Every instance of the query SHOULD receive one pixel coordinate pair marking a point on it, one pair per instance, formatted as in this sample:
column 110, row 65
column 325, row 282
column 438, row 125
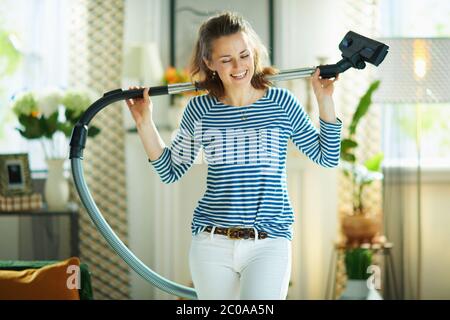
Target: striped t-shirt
column 245, row 149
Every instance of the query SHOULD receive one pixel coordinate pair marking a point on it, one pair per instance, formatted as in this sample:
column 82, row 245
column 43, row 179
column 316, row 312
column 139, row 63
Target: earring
column 214, row 75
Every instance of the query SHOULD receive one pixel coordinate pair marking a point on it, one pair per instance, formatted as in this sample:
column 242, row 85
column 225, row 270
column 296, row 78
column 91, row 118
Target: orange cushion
column 52, row 282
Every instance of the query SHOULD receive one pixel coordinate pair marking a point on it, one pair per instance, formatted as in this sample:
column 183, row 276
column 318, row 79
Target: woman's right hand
column 142, row 108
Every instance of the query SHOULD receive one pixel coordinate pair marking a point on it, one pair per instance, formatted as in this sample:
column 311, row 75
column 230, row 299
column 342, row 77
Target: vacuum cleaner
column 357, row 51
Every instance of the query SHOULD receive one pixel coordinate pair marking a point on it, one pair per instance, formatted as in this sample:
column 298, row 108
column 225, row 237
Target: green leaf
column 65, row 128
column 346, row 146
column 348, row 157
column 374, row 163
column 72, row 116
column 31, row 127
column 27, row 134
column 93, row 131
column 27, row 120
column 348, row 143
column 356, row 263
column 50, row 124
column 363, row 106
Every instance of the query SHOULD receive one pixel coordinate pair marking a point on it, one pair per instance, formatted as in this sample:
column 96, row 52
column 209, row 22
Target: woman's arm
column 323, row 89
column 151, row 140
column 170, row 163
column 142, row 113
column 322, row 147
column 326, row 110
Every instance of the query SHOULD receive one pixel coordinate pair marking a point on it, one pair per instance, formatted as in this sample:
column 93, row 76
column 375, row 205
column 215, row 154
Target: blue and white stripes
column 245, row 148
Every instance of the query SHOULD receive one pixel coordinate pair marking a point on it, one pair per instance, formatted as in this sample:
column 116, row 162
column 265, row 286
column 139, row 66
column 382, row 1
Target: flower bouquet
column 49, row 116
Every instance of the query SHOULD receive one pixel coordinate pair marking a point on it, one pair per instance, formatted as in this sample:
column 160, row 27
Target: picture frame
column 15, row 174
column 186, row 17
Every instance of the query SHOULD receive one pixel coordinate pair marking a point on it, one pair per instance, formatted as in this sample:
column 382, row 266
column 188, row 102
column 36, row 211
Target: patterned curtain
column 360, row 17
column 95, row 62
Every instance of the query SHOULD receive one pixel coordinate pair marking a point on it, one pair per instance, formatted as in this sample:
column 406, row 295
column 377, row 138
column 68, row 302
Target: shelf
column 71, row 211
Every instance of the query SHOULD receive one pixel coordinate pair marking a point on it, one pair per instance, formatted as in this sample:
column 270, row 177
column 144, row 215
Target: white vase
column 56, row 189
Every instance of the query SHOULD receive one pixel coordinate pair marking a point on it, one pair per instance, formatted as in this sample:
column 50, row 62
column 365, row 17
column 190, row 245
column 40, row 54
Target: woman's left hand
column 322, row 87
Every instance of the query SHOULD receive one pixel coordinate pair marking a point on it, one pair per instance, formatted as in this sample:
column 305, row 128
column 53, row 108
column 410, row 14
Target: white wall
column 306, row 30
column 147, row 21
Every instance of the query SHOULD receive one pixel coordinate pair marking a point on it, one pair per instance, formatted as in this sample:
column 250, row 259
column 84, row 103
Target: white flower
column 49, row 101
column 361, row 173
column 25, row 104
column 77, row 100
column 372, row 176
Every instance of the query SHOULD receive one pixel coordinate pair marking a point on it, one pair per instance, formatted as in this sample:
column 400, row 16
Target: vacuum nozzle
column 356, row 51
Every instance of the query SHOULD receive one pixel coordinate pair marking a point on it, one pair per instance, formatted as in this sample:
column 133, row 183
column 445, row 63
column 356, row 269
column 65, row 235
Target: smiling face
column 232, row 59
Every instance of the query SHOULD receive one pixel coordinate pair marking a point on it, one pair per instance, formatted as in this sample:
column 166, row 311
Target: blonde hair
column 225, row 24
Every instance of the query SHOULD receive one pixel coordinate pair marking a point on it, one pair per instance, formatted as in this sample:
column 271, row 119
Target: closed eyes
column 242, row 57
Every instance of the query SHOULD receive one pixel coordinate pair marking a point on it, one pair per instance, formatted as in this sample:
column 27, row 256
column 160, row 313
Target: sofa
column 45, row 280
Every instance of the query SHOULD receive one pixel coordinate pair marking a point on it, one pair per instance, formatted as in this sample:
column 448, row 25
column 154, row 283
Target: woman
column 242, row 226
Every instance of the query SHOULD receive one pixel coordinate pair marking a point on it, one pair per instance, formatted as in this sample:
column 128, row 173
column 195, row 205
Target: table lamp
column 143, row 62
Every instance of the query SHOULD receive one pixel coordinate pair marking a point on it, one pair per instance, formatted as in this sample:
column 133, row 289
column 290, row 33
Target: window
column 400, row 124
column 415, row 18
column 39, row 29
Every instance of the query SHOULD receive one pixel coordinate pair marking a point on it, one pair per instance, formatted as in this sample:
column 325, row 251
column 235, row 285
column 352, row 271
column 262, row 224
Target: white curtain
column 40, row 29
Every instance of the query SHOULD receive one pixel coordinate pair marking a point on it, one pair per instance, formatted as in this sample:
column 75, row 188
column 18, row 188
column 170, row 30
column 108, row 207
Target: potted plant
column 360, row 225
column 48, row 116
column 357, row 263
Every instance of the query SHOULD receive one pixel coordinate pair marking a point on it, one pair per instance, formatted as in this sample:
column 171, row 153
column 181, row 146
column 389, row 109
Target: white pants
column 250, row 269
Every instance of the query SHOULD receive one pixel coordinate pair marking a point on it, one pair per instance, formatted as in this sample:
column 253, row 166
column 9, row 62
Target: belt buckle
column 230, row 231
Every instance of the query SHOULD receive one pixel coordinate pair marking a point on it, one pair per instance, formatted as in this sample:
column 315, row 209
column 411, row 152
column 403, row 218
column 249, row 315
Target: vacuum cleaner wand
column 356, row 51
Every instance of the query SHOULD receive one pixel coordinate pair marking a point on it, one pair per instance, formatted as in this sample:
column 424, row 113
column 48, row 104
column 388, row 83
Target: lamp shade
column 143, row 62
column 417, row 70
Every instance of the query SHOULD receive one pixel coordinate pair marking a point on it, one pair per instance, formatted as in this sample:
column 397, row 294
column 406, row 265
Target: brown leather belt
column 237, row 233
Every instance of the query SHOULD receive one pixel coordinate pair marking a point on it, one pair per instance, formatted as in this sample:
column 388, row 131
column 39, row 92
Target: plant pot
column 360, row 228
column 359, row 290
column 56, row 186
